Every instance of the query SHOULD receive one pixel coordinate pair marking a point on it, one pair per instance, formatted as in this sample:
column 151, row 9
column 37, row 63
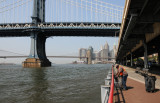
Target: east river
column 68, row 83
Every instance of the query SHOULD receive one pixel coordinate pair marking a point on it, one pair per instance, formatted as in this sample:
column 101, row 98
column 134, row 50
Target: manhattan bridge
column 41, row 19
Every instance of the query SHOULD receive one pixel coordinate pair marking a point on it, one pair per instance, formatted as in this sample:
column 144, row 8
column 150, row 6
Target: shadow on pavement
column 129, row 87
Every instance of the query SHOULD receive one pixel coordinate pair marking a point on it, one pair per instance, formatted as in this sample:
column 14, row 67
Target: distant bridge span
column 53, row 57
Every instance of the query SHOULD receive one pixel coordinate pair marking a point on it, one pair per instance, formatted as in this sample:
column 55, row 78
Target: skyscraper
column 82, row 53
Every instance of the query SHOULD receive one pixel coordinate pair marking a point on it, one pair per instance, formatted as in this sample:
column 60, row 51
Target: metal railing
column 107, row 90
column 112, row 89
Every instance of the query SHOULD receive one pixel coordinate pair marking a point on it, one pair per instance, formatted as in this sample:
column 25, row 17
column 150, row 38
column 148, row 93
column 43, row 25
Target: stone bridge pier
column 37, row 56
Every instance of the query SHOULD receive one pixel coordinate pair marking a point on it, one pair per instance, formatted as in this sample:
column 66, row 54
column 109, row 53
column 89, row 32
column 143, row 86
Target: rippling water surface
column 68, row 83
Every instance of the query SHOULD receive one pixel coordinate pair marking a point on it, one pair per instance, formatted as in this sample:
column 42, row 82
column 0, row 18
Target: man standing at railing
column 122, row 74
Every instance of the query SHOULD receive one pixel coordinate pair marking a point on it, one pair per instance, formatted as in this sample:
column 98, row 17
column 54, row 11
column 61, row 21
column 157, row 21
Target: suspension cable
column 87, row 7
column 110, row 4
column 11, row 4
column 74, row 3
column 16, row 6
column 99, row 4
column 11, row 52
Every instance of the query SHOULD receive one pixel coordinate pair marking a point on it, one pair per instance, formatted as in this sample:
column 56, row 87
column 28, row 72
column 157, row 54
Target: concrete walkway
column 136, row 90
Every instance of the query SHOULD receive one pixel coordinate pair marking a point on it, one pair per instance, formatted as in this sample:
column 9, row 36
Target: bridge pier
column 37, row 57
column 89, row 57
column 145, row 54
column 131, row 60
column 126, row 60
column 158, row 57
column 123, row 61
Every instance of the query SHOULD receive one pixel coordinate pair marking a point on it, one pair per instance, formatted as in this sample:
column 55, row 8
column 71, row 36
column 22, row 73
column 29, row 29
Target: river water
column 69, row 83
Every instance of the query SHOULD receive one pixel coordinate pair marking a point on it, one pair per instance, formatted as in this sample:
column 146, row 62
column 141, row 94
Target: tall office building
column 114, row 49
column 105, row 52
column 82, row 53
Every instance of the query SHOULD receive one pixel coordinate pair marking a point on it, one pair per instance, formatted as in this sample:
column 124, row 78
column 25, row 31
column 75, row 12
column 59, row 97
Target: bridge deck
column 136, row 90
column 60, row 29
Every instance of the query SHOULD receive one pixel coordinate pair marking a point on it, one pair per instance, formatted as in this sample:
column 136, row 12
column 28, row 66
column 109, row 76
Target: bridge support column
column 158, row 57
column 37, row 57
column 123, row 61
column 126, row 61
column 89, row 57
column 131, row 60
column 145, row 54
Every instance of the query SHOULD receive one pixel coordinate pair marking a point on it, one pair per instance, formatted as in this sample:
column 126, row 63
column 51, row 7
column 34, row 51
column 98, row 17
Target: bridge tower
column 89, row 57
column 37, row 56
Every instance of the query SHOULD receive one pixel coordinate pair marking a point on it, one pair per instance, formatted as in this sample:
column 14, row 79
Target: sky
column 56, row 45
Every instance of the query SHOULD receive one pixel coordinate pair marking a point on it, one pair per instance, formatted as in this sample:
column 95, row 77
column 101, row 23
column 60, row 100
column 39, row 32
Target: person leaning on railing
column 122, row 74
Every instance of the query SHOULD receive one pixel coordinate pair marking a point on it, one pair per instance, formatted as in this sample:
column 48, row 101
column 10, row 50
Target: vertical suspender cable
column 101, row 13
column 81, row 12
column 53, row 3
column 25, row 6
column 56, row 13
column 96, row 13
column 26, row 12
column 61, row 11
column 58, row 10
column 51, row 12
column 13, row 14
column 91, row 10
column 86, row 12
column 71, row 13
column 48, row 13
column 112, row 15
column 21, row 15
column 51, row 8
column 76, row 11
column 3, row 14
column 105, row 15
column 67, row 11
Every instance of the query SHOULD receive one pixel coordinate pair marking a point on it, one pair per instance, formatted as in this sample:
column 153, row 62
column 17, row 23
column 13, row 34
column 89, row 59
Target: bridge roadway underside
column 140, row 31
column 61, row 32
column 60, row 29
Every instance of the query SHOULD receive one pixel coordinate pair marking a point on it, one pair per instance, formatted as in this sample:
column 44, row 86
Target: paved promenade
column 136, row 90
column 140, row 78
